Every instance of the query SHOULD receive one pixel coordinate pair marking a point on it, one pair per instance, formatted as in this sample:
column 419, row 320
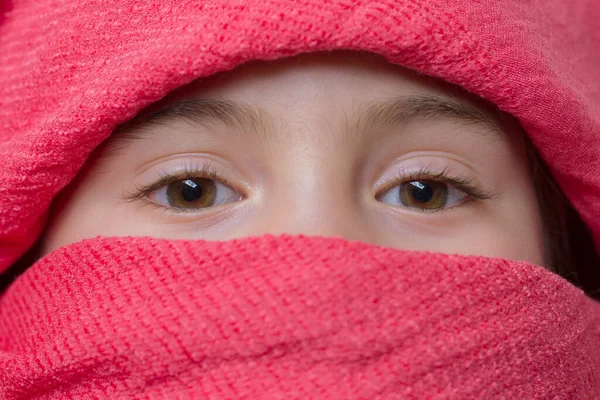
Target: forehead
column 318, row 89
column 341, row 77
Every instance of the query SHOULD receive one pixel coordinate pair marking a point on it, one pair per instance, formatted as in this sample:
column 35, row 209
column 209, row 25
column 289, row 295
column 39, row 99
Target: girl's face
column 341, row 144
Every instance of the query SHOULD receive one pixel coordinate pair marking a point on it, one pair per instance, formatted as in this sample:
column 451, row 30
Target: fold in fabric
column 292, row 318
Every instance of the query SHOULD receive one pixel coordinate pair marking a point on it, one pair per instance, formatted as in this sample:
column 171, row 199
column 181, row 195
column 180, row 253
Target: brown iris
column 429, row 195
column 192, row 193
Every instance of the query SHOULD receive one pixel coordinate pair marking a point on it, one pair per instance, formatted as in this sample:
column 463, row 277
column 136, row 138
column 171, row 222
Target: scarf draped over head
column 286, row 317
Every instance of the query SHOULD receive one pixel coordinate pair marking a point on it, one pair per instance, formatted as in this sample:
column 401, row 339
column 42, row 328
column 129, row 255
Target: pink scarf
column 292, row 318
column 286, row 317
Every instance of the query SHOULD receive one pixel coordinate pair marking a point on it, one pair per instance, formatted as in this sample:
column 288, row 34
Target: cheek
column 520, row 229
column 83, row 210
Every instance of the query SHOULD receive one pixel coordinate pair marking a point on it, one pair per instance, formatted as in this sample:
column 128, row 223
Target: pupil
column 191, row 191
column 421, row 193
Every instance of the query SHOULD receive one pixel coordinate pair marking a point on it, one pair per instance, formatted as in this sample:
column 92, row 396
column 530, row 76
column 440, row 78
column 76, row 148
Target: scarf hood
column 70, row 73
column 287, row 317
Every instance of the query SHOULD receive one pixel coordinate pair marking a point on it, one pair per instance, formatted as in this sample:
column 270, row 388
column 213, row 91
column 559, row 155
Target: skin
column 313, row 169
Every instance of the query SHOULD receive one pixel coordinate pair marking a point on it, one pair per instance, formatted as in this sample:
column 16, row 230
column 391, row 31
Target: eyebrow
column 372, row 116
column 424, row 107
column 199, row 111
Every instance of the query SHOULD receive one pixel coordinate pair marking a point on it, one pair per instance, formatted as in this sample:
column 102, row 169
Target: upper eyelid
column 423, row 173
column 462, row 183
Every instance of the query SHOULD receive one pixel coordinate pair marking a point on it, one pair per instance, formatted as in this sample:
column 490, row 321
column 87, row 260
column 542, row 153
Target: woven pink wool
column 286, row 318
column 292, row 318
column 71, row 71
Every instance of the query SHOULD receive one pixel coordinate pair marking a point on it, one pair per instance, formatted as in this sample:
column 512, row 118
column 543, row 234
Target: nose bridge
column 317, row 197
column 310, row 219
column 314, row 220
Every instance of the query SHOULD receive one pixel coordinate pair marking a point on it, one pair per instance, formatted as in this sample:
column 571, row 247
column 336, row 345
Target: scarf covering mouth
column 292, row 318
column 286, row 318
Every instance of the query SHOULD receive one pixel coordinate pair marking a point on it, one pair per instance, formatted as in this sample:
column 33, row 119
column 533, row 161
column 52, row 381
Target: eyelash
column 165, row 178
column 206, row 171
column 463, row 184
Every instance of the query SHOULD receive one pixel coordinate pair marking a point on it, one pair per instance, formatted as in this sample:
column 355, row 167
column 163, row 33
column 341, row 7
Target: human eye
column 428, row 191
column 189, row 190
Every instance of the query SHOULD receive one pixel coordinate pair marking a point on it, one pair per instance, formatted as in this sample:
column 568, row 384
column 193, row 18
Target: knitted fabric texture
column 72, row 71
column 285, row 317
column 292, row 318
